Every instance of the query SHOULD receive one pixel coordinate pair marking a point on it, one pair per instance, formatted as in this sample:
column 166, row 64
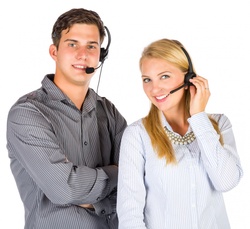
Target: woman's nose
column 156, row 87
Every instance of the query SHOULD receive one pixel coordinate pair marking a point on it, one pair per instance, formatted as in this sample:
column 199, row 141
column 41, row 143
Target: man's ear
column 53, row 51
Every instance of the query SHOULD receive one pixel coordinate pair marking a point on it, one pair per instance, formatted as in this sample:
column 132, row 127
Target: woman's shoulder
column 220, row 118
column 135, row 127
column 136, row 124
column 217, row 116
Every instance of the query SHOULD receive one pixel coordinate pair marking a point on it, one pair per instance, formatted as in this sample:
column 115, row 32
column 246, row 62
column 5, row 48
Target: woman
column 177, row 161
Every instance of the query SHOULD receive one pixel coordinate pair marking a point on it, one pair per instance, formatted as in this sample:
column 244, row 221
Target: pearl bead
column 179, row 140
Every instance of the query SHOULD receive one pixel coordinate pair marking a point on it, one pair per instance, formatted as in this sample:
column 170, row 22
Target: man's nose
column 82, row 53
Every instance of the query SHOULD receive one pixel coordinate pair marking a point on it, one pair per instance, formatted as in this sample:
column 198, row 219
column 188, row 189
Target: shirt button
column 85, row 143
column 103, row 212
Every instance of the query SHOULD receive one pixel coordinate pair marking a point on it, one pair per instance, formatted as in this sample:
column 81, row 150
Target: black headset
column 104, row 51
column 190, row 74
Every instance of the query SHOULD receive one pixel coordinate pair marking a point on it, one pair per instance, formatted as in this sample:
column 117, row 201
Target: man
column 63, row 139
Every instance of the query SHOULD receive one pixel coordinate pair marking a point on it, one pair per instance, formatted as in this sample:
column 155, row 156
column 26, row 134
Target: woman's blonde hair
column 169, row 50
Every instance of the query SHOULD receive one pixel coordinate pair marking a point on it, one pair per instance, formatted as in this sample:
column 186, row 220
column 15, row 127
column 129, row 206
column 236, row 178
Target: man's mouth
column 79, row 66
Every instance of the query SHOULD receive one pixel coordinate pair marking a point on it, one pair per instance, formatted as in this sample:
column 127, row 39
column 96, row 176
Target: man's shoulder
column 106, row 108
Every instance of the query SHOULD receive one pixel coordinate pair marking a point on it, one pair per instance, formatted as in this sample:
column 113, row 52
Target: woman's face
column 159, row 77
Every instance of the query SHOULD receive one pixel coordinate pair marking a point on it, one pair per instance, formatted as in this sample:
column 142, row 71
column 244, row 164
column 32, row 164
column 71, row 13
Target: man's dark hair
column 76, row 16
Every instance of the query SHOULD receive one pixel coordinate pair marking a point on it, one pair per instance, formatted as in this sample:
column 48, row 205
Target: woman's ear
column 53, row 51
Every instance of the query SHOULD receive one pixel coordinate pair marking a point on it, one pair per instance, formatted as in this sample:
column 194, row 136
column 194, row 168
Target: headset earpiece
column 190, row 74
column 104, row 51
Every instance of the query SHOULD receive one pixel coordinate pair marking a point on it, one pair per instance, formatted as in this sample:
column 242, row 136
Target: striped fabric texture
column 61, row 158
column 188, row 195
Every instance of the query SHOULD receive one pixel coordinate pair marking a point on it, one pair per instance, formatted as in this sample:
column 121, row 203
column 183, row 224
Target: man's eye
column 91, row 47
column 72, row 45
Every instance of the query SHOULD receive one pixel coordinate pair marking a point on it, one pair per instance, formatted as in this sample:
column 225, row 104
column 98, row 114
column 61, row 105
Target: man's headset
column 189, row 75
column 105, row 51
column 103, row 54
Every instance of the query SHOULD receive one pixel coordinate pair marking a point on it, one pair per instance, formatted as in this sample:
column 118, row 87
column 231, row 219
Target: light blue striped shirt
column 188, row 195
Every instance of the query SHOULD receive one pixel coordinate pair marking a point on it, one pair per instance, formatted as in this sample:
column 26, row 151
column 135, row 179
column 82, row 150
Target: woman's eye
column 146, row 80
column 165, row 77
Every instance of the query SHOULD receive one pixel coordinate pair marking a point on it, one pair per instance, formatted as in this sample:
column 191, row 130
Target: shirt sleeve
column 117, row 125
column 32, row 141
column 131, row 188
column 221, row 162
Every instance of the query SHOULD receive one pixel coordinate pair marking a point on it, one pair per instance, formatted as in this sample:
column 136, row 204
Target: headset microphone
column 103, row 54
column 177, row 89
column 189, row 75
column 90, row 70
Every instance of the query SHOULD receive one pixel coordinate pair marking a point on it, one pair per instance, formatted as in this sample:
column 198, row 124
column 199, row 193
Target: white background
column 215, row 33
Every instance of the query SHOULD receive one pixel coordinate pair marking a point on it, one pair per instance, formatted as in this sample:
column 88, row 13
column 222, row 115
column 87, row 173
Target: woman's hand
column 200, row 94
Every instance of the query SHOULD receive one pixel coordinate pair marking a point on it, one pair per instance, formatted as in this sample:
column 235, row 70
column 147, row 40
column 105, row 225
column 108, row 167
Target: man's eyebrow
column 89, row 42
column 93, row 42
column 72, row 40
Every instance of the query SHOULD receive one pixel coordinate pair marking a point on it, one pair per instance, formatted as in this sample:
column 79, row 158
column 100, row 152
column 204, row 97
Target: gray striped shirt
column 62, row 157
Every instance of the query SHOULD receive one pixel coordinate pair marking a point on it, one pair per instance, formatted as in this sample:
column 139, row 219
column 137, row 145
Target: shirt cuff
column 112, row 172
column 200, row 123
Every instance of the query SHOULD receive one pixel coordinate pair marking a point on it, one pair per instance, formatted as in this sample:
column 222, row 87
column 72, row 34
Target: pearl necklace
column 179, row 140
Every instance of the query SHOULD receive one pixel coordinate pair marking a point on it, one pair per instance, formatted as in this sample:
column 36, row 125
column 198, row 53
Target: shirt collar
column 164, row 121
column 56, row 94
column 166, row 124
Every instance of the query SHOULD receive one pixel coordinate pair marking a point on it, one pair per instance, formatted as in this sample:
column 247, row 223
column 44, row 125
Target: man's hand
column 86, row 206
